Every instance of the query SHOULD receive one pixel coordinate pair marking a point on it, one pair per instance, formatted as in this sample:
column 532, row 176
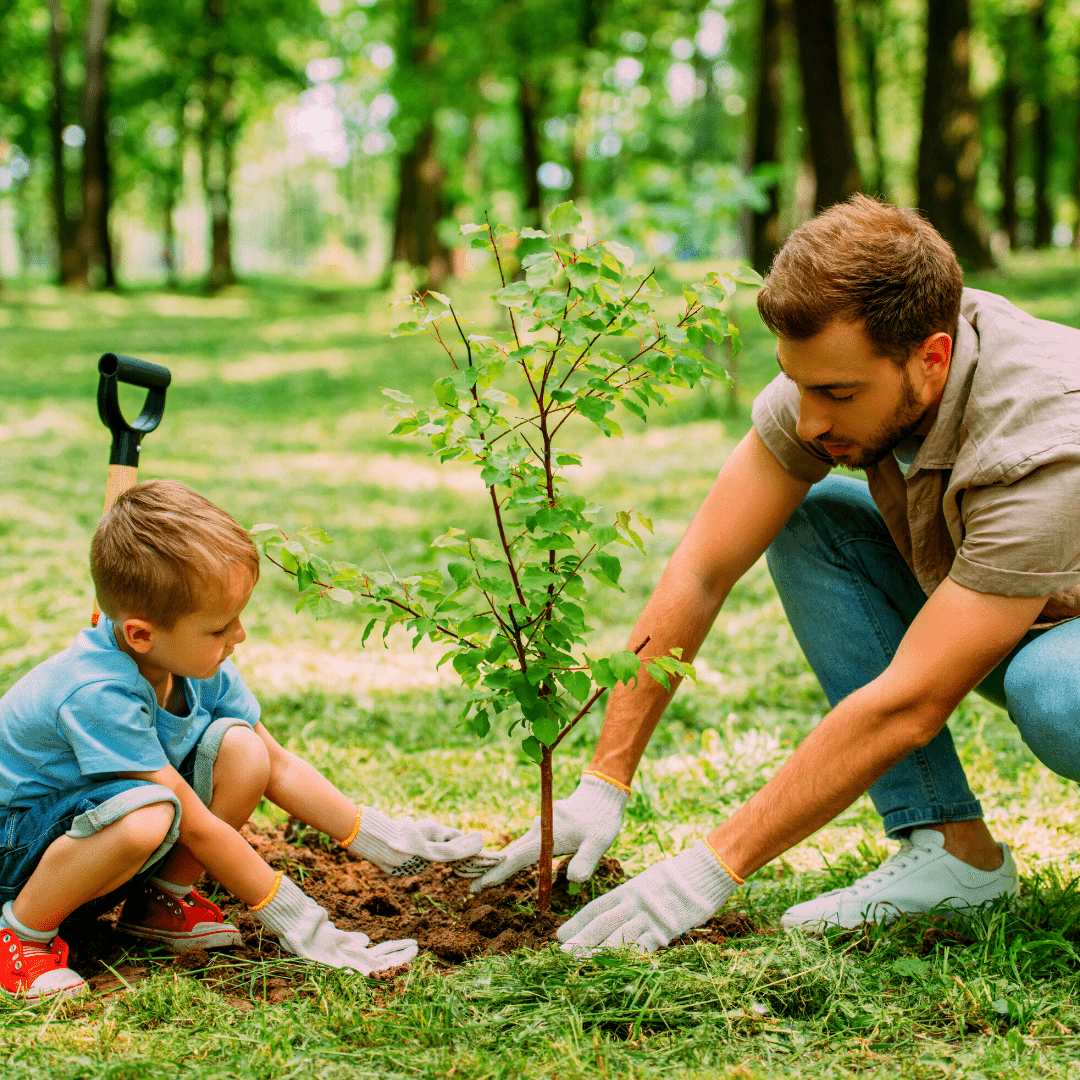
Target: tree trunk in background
column 868, row 33
column 420, row 208
column 95, row 246
column 1044, row 223
column 949, row 149
column 1010, row 103
column 528, row 102
column 174, row 182
column 832, row 147
column 67, row 251
column 768, row 108
column 420, row 204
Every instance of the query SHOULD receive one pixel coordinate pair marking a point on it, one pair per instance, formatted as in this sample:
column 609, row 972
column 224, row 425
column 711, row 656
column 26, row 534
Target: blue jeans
column 27, row 831
column 850, row 598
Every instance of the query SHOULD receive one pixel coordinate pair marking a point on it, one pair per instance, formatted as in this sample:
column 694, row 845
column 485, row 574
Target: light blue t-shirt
column 87, row 713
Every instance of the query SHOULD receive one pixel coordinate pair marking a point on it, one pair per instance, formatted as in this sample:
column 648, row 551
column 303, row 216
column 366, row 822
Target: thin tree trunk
column 832, row 147
column 1044, row 224
column 768, row 109
column 67, row 250
column 949, row 149
column 94, row 243
column 529, row 100
column 868, row 14
column 174, row 182
column 547, row 831
column 1010, row 103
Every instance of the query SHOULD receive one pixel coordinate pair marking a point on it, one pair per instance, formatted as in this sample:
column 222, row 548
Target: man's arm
column 750, row 503
column 957, row 638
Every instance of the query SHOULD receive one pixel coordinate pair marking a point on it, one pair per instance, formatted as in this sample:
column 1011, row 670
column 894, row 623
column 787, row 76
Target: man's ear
column 936, row 352
column 138, row 635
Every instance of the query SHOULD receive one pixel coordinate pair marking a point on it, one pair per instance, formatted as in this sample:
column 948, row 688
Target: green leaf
column 516, row 294
column 479, row 724
column 397, row 395
column 594, row 408
column 460, row 572
column 532, row 234
column 610, row 565
column 533, row 749
column 304, row 578
column 621, row 252
column 745, row 275
column 439, row 296
column 546, row 729
column 466, row 229
column 564, row 219
column 342, row 596
column 582, row 274
column 624, row 666
column 910, row 966
column 567, row 459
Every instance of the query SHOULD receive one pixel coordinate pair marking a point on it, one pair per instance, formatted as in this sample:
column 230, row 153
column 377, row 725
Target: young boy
column 134, row 756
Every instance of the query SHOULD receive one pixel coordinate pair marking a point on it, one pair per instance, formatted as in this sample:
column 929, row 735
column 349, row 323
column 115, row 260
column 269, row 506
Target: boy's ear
column 138, row 634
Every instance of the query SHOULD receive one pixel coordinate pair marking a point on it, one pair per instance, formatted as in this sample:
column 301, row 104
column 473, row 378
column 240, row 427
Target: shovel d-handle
column 127, row 437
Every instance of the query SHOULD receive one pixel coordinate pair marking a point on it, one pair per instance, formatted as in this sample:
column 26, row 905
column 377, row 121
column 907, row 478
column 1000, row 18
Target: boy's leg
column 228, row 770
column 850, row 598
column 63, row 852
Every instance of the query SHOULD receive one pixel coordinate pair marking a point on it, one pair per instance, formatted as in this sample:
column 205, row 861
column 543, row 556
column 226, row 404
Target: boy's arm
column 396, row 847
column 222, row 851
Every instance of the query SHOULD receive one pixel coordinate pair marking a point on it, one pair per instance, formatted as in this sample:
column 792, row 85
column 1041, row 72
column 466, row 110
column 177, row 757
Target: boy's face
column 197, row 645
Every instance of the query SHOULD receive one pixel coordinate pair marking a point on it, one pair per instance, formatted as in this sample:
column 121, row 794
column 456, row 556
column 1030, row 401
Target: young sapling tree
column 584, row 341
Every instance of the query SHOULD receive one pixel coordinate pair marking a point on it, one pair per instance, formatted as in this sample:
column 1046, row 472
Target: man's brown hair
column 866, row 262
column 159, row 547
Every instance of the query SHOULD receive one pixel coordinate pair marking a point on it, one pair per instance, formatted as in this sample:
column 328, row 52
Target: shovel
column 127, row 438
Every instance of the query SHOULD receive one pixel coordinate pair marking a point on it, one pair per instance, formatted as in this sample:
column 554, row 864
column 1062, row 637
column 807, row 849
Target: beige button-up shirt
column 992, row 499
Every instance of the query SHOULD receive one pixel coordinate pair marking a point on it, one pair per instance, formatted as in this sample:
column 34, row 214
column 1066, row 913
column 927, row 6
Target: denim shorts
column 27, row 831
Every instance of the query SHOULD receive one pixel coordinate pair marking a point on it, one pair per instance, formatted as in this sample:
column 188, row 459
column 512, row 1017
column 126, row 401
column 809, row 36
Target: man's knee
column 1045, row 706
column 242, row 757
column 836, row 500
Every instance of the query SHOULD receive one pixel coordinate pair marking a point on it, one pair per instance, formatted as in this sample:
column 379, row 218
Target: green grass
column 275, row 414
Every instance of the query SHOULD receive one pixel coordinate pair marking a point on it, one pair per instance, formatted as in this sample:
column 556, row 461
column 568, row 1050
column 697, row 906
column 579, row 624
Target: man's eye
column 833, row 397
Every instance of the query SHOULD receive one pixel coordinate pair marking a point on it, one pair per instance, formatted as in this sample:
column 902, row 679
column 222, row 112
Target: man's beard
column 904, row 422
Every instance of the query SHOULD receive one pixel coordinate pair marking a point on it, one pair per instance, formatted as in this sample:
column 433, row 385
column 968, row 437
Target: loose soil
column 435, row 907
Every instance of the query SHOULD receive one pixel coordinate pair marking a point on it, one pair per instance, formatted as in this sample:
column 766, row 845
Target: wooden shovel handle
column 121, row 477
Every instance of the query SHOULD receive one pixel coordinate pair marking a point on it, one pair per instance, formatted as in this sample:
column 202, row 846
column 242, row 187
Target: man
column 956, row 568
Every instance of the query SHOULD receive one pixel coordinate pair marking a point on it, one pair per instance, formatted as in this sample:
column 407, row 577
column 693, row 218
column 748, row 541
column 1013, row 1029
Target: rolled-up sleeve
column 775, row 413
column 1022, row 539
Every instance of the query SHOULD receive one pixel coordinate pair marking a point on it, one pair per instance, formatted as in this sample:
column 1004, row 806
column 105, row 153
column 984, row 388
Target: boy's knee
column 243, row 755
column 144, row 829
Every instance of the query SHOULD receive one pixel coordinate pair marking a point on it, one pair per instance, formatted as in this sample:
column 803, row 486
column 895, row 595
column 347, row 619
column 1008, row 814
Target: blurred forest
column 186, row 142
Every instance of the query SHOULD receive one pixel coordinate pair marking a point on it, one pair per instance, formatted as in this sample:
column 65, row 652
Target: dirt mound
column 435, row 907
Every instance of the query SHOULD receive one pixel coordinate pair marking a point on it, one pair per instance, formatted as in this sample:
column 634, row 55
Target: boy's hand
column 405, row 847
column 304, row 929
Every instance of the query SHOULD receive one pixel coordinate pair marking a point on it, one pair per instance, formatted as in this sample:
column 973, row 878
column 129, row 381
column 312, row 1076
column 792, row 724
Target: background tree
column 949, row 149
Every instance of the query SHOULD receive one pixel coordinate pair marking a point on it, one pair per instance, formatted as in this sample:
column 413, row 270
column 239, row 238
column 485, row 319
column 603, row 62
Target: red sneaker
column 189, row 923
column 31, row 971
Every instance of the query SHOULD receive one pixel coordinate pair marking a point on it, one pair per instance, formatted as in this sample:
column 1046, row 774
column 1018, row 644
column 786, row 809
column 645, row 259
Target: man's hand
column 586, row 823
column 405, row 847
column 654, row 908
column 305, row 930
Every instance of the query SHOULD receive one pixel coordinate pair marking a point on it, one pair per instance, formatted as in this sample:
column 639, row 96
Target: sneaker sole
column 182, row 942
column 31, row 998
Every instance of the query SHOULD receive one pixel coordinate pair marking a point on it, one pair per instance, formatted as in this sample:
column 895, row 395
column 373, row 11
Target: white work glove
column 305, row 929
column 405, row 847
column 654, row 908
column 586, row 823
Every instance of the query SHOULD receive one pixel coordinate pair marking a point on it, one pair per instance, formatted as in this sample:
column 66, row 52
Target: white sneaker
column 921, row 876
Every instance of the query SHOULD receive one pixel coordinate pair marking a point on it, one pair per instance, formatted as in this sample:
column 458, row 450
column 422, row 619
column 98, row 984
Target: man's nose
column 813, row 422
column 240, row 635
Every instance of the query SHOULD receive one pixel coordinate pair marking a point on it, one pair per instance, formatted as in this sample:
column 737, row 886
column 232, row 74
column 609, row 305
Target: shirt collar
column 942, row 444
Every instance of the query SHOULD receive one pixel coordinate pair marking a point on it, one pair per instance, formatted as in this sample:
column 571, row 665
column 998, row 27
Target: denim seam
column 206, row 756
column 933, row 814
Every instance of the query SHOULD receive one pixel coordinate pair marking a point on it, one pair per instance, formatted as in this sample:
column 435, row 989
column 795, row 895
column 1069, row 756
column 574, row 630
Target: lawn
column 275, row 414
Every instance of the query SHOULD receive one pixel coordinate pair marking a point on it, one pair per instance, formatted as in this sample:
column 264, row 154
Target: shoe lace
column 899, row 860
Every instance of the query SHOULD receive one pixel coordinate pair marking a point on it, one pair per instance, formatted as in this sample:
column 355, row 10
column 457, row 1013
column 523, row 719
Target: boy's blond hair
column 159, row 547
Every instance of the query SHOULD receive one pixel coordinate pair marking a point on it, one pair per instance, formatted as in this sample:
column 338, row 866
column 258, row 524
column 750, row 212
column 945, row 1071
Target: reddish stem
column 547, row 831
